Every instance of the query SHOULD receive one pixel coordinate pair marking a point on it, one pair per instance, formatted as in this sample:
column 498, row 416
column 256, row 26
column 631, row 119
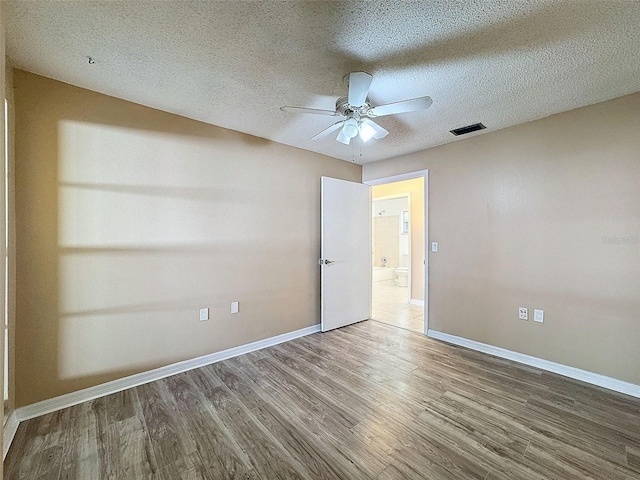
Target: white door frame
column 409, row 176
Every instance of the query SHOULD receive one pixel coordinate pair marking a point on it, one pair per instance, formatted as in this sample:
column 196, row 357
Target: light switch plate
column 234, row 307
column 204, row 314
column 434, row 246
column 538, row 315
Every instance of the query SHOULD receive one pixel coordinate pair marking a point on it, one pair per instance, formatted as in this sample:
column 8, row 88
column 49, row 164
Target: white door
column 346, row 253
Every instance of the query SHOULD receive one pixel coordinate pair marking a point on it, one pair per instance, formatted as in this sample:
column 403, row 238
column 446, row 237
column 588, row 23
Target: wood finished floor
column 365, row 401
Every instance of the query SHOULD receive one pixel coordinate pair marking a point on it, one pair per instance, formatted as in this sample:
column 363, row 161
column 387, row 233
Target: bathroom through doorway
column 397, row 244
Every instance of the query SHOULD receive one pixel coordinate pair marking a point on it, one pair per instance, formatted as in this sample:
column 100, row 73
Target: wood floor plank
column 359, row 455
column 571, row 463
column 229, row 378
column 346, row 414
column 44, row 464
column 363, row 402
column 386, row 390
column 267, row 456
column 435, row 460
column 499, row 436
column 114, row 408
column 299, row 447
column 218, row 453
column 633, row 458
column 87, row 467
column 125, row 447
column 611, row 432
column 169, row 439
column 190, row 467
column 81, row 448
column 488, row 447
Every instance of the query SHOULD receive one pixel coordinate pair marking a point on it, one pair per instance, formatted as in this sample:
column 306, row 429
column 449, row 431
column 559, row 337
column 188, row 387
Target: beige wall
column 542, row 215
column 131, row 219
column 415, row 189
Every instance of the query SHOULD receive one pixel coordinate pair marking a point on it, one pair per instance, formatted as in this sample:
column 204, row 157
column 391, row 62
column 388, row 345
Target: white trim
column 426, row 251
column 565, row 370
column 10, row 429
column 397, row 178
column 91, row 393
column 419, row 303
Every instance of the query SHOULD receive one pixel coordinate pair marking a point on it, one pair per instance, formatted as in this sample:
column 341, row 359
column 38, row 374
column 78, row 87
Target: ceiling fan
column 358, row 111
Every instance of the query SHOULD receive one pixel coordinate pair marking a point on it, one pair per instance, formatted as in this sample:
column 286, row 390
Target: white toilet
column 402, row 276
column 402, row 272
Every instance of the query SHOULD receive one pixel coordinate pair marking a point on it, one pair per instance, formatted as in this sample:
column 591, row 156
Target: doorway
column 399, row 238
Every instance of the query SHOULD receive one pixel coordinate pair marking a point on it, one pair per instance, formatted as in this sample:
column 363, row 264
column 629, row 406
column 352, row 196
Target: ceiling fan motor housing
column 349, row 111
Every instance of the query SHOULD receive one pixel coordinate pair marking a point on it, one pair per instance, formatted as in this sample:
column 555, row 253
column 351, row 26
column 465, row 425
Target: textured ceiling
column 235, row 63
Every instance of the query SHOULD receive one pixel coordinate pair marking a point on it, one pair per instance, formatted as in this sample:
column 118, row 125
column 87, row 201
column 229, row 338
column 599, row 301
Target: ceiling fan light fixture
column 350, row 128
column 366, row 132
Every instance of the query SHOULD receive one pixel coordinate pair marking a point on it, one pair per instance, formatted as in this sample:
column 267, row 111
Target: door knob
column 326, row 262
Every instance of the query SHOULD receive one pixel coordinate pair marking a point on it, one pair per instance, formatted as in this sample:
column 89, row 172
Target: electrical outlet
column 204, row 314
column 538, row 315
column 523, row 313
column 234, row 307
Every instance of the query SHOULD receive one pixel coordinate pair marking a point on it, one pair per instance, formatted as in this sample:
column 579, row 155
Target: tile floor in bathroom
column 390, row 305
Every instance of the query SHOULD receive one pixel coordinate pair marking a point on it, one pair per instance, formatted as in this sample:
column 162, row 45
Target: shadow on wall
column 133, row 261
column 130, row 220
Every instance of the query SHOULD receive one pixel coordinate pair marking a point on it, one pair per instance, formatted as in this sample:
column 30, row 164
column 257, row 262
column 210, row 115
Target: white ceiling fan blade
column 315, row 111
column 359, row 83
column 379, row 131
column 342, row 138
column 405, row 106
column 328, row 130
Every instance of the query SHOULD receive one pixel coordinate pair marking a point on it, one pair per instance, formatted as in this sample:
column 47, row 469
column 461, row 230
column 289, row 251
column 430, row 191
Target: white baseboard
column 10, row 429
column 419, row 303
column 91, row 393
column 571, row 372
